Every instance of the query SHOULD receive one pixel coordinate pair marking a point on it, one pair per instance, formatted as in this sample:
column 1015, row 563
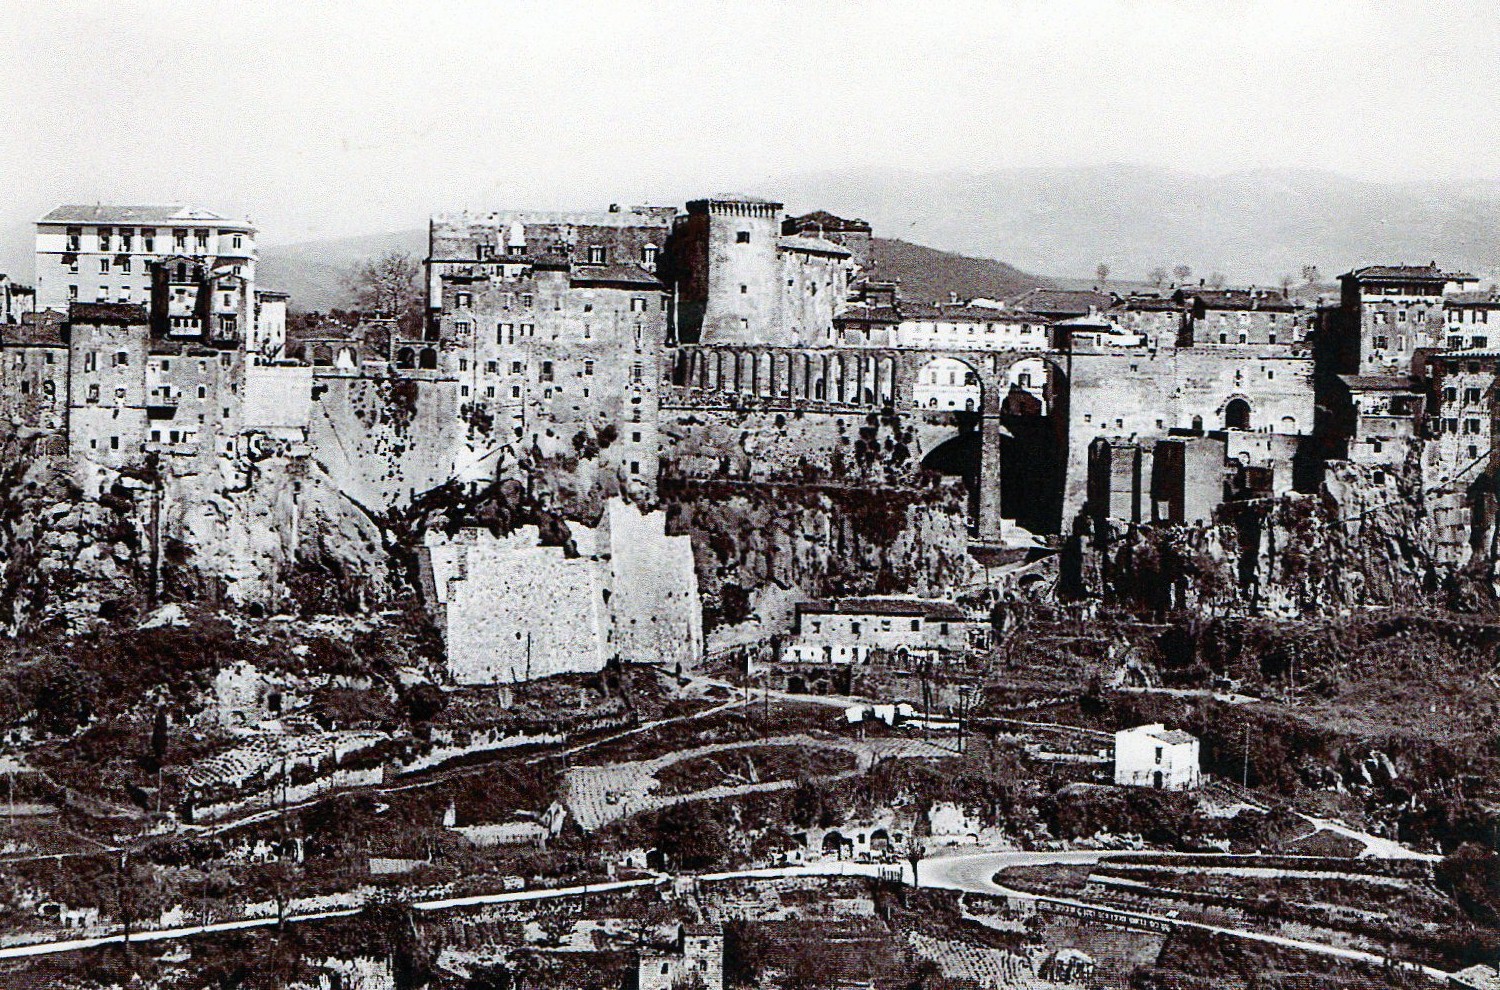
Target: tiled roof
column 1379, row 383
column 812, row 245
column 1486, row 299
column 105, row 213
column 1429, row 272
column 921, row 607
column 1239, row 299
column 615, row 275
column 1062, row 301
column 1150, row 304
column 95, row 312
column 969, row 314
column 822, row 220
column 44, row 329
column 868, row 314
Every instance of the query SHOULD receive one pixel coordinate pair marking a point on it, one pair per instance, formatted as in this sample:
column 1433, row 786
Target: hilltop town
column 660, row 596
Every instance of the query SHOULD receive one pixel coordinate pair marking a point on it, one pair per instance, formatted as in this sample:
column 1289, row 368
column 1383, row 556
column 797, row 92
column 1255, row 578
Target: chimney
column 614, row 207
column 952, row 298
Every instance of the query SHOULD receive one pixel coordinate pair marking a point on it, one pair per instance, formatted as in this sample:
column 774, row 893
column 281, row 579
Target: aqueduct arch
column 968, row 384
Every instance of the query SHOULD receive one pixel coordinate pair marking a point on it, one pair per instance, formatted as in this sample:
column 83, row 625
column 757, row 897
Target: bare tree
column 1286, row 285
column 1216, row 280
column 390, row 286
column 1158, row 276
column 1102, row 274
column 1310, row 275
column 1182, row 273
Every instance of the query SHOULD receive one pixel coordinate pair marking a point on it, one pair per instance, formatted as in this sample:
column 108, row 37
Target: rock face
column 71, row 557
column 1365, row 538
column 287, row 540
column 820, row 540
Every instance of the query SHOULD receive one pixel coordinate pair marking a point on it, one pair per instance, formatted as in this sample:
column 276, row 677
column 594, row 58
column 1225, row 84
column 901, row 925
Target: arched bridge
column 863, row 379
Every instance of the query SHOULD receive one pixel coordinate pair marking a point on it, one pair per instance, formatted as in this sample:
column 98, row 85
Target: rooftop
column 822, row 220
column 44, row 329
column 1239, row 299
column 812, row 245
column 616, row 275
column 1159, row 732
column 1379, row 383
column 104, row 213
column 116, row 313
column 1064, row 302
column 1408, row 273
column 929, row 608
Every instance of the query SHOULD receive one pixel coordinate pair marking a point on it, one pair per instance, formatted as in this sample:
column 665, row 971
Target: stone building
column 856, row 235
column 107, row 382
column 1251, row 317
column 511, row 609
column 739, row 279
column 852, row 630
column 16, row 301
column 103, row 253
column 553, row 325
column 1155, row 756
column 1388, row 313
column 1135, row 397
column 697, row 951
column 34, row 371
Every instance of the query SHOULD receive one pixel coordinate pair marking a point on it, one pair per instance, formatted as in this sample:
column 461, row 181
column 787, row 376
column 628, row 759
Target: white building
column 698, row 951
column 103, row 253
column 1155, row 756
column 971, row 328
column 847, row 630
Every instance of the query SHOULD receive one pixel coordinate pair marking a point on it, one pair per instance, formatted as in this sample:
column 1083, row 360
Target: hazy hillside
column 928, row 275
column 1252, row 226
column 313, row 272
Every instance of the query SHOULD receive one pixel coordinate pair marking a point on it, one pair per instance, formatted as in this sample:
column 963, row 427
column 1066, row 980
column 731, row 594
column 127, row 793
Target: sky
column 335, row 119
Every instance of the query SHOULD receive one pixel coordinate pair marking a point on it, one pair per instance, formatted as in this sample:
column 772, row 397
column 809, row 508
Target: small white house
column 1155, row 756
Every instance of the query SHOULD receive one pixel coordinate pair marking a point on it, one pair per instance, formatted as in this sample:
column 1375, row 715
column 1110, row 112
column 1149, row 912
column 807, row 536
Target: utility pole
column 1245, row 773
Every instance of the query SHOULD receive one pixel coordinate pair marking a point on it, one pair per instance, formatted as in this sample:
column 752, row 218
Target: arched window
column 429, row 361
column 1237, row 415
column 406, row 358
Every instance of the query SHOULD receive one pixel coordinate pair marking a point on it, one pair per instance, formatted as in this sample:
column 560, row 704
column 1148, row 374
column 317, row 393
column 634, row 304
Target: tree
column 1158, row 276
column 1216, row 280
column 391, row 286
column 1286, row 285
column 1102, row 274
column 1182, row 273
column 1310, row 275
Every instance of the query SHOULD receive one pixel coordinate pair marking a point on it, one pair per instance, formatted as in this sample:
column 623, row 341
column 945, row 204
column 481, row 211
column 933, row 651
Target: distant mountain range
column 1252, row 227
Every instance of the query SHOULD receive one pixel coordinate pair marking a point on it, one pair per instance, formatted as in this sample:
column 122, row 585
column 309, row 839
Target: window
column 515, row 391
column 637, row 304
column 200, row 241
column 744, row 289
column 1481, row 342
column 202, row 391
column 148, row 240
column 461, row 300
column 179, row 240
column 1450, row 395
column 125, row 265
column 648, row 255
column 1471, row 396
column 526, row 300
column 854, row 627
column 1471, row 426
column 597, row 254
column 528, row 329
column 73, row 292
column 238, row 241
column 588, row 367
column 742, row 237
column 491, row 367
column 515, row 367
column 463, row 364
column 635, row 437
column 75, row 235
column 104, row 235
column 1381, row 342
column 121, row 359
column 103, row 266
column 103, row 295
